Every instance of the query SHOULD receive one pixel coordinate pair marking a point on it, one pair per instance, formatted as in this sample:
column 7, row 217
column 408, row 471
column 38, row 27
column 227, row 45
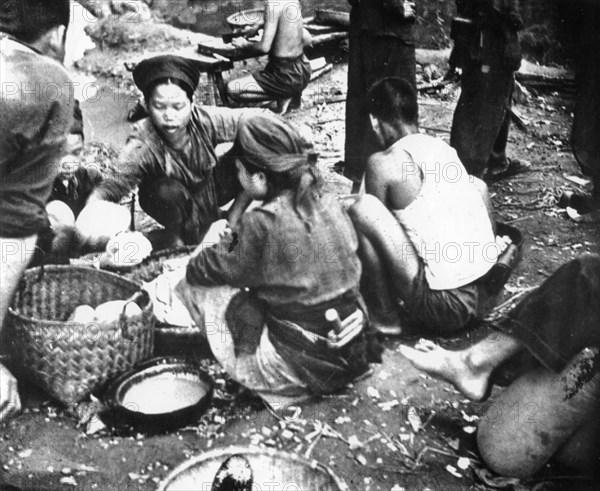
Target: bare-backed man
column 288, row 72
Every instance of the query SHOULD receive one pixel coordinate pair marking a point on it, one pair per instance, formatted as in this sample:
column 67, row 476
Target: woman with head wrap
column 296, row 256
column 171, row 154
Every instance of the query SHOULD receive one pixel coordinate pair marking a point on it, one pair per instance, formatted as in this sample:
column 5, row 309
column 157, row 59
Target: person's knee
column 165, row 190
column 243, row 86
column 166, row 200
column 365, row 208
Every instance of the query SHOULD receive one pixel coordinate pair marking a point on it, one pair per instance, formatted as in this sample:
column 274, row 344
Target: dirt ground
column 398, row 429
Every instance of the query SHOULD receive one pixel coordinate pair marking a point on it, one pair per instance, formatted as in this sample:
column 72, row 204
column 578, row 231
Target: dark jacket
column 36, row 111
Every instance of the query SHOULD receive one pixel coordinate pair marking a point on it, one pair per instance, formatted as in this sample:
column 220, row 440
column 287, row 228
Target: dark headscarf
column 151, row 70
column 266, row 141
column 269, row 142
column 21, row 18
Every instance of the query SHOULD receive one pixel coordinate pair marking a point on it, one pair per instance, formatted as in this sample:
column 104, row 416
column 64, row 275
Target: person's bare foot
column 451, row 366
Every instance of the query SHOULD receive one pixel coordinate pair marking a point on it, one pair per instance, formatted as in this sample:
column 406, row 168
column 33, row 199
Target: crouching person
column 547, row 353
column 296, row 256
column 426, row 236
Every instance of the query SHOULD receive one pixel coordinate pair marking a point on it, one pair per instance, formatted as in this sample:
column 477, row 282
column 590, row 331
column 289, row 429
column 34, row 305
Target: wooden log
column 546, row 82
column 210, row 45
column 332, row 17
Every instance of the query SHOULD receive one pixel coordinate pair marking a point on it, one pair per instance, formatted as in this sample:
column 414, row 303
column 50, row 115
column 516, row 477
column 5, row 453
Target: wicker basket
column 272, row 469
column 152, row 266
column 69, row 359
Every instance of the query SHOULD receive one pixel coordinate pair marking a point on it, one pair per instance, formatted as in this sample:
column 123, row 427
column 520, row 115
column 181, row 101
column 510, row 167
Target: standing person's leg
column 385, row 57
column 480, row 113
column 371, row 59
column 355, row 112
column 499, row 165
column 16, row 255
column 586, row 123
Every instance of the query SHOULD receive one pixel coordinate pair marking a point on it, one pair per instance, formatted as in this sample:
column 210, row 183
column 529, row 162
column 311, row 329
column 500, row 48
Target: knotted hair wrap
column 269, row 142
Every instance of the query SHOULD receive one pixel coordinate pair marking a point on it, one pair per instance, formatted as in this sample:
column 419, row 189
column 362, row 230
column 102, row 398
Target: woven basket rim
column 239, row 449
column 54, row 268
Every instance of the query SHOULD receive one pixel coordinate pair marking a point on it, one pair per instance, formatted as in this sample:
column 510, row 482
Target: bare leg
column 16, row 255
column 391, row 243
column 376, row 291
column 539, row 414
column 468, row 370
column 246, row 89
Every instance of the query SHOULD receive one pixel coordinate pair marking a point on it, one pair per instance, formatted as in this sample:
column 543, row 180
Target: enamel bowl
column 160, row 395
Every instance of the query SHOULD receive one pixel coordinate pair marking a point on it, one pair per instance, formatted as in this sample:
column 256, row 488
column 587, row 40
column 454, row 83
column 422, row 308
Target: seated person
column 426, row 236
column 288, row 71
column 171, row 154
column 276, row 251
column 547, row 352
column 70, row 191
column 75, row 183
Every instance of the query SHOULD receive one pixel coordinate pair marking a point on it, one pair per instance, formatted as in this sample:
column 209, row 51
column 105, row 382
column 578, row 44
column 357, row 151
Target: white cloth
column 448, row 222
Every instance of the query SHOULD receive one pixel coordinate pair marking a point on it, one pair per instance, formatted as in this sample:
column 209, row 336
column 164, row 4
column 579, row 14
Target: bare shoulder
column 393, row 177
column 392, row 162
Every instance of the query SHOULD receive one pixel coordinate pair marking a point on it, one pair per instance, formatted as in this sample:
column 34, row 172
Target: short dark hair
column 392, row 99
column 28, row 20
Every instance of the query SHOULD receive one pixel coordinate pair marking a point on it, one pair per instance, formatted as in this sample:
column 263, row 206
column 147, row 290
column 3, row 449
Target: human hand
column 216, row 233
column 240, row 42
column 351, row 327
column 10, row 403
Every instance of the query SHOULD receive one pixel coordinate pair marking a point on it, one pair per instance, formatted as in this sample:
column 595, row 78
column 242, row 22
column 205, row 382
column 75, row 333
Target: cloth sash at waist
column 300, row 338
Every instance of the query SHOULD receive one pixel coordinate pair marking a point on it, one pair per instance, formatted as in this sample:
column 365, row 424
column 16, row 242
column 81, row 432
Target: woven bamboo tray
column 152, row 266
column 169, row 340
column 69, row 359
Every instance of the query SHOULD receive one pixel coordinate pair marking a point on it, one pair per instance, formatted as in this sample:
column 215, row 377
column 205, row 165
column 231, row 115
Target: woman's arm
column 133, row 161
column 241, row 202
column 235, row 260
